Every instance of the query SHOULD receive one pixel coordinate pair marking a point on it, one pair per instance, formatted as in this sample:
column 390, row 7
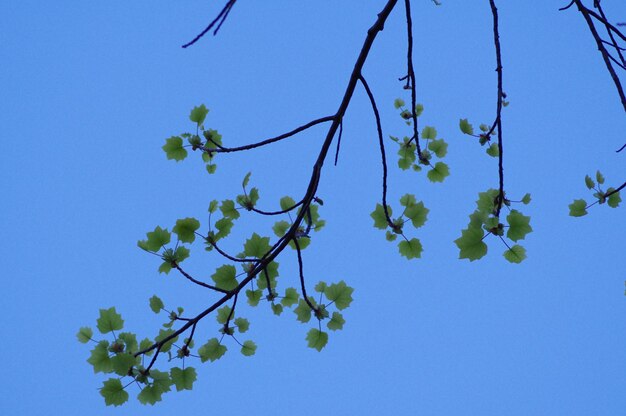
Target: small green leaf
column 419, row 109
column 174, row 149
column 277, row 308
column 150, row 394
column 254, row 296
column 198, row 114
column 340, row 293
column 183, row 379
column 113, row 392
column 222, row 314
column 336, row 322
column 519, row 225
column 417, row 213
column 493, row 150
column 515, row 254
column 212, row 350
column 211, row 168
column 286, row 203
column 130, row 340
column 470, row 243
column 100, row 359
column 185, row 229
column 165, row 333
column 303, row 311
column 378, row 215
column 84, row 334
column 589, row 182
column 411, row 249
column 439, row 172
column 109, row 320
column 242, row 324
column 122, row 363
column 213, row 206
column 228, row 209
column 248, row 348
column 486, row 202
column 429, row 132
column 526, row 199
column 256, row 246
column 223, row 226
column 156, row 304
column 165, row 267
column 246, row 180
column 317, row 339
column 224, row 277
column 613, row 199
column 599, row 177
column 290, row 298
column 280, row 228
column 465, row 126
column 398, row 102
column 156, row 240
column 578, row 208
column 438, row 147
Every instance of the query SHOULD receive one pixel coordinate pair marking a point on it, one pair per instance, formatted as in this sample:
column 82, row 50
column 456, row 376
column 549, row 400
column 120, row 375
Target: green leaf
column 526, row 199
column 419, row 109
column 253, row 196
column 407, row 154
column 185, row 228
column 515, row 254
column 280, row 228
column 174, row 149
column 183, row 379
column 222, row 314
column 213, row 206
column 100, row 359
column 290, row 298
column 320, row 287
column 613, row 199
column 589, row 182
column 164, row 333
column 336, row 322
column 228, row 209
column 246, row 180
column 411, row 249
column 212, row 137
column 130, row 340
column 465, row 126
column 599, row 177
column 254, row 296
column 429, row 132
column 256, row 246
column 286, row 203
column 156, row 304
column 198, row 114
column 417, row 213
column 519, row 225
column 398, row 102
column 212, row 350
column 156, row 240
column 486, row 202
column 340, row 293
column 146, row 343
column 211, row 168
column 493, row 150
column 224, row 277
column 378, row 215
column 122, row 363
column 277, row 308
column 439, row 172
column 578, row 208
column 165, row 267
column 84, row 334
column 242, row 324
column 470, row 243
column 317, row 339
column 248, row 348
column 109, row 320
column 113, row 392
column 438, row 147
column 223, row 226
column 272, row 273
column 150, row 394
column 303, row 311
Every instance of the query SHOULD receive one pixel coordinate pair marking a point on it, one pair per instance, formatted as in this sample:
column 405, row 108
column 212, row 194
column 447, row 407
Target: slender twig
column 338, row 141
column 282, row 211
column 411, row 74
column 301, row 272
column 219, row 20
column 231, row 313
column 198, row 282
column 610, row 33
column 381, row 144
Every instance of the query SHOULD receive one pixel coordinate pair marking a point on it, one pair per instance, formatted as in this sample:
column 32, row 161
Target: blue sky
column 92, row 89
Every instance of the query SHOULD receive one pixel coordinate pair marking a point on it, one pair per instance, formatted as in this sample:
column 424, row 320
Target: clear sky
column 90, row 92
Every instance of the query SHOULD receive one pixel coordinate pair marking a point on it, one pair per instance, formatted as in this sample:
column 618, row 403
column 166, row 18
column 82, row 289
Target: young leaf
column 156, row 239
column 100, row 359
column 303, row 311
column 465, row 126
column 614, row 199
column 439, row 172
column 254, row 296
column 84, row 334
column 411, row 249
column 470, row 243
column 165, row 333
column 438, row 147
column 378, row 215
column 246, row 180
column 130, row 340
column 429, row 132
column 150, row 394
column 109, row 320
column 340, row 293
column 183, row 379
column 222, row 314
column 228, row 209
column 198, row 114
column 213, row 206
column 336, row 322
column 277, row 308
column 599, row 177
column 493, row 150
column 589, row 182
column 156, row 304
column 526, row 199
column 224, row 277
column 317, row 339
column 290, row 298
column 256, row 246
column 578, row 208
column 242, row 324
column 174, row 149
column 248, row 348
column 519, row 225
column 212, row 350
column 185, row 229
column 113, row 392
column 122, row 363
column 419, row 109
column 398, row 102
column 223, row 226
column 417, row 213
column 515, row 254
